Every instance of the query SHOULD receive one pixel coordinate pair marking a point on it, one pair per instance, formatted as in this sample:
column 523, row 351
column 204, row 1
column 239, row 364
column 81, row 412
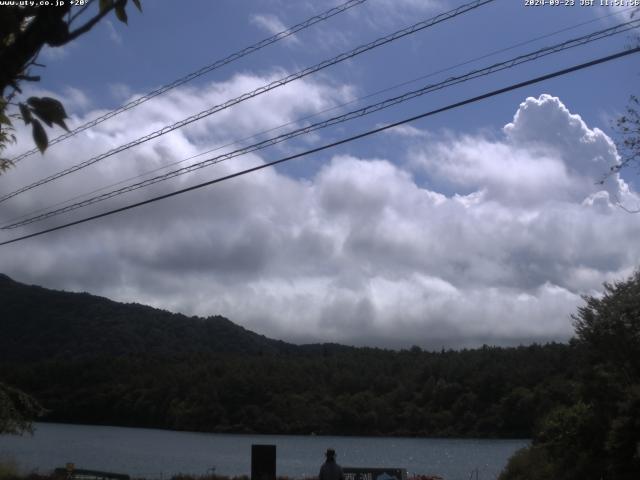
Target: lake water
column 160, row 453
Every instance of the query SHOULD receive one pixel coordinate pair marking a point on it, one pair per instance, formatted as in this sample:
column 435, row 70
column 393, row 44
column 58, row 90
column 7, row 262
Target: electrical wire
column 265, row 88
column 198, row 73
column 529, row 57
column 316, row 114
column 452, row 106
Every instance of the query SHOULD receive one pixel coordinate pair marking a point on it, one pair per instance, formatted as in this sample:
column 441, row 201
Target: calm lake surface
column 160, row 453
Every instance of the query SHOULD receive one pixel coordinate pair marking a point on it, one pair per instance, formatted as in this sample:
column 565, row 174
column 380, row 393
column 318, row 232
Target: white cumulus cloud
column 271, row 24
column 498, row 248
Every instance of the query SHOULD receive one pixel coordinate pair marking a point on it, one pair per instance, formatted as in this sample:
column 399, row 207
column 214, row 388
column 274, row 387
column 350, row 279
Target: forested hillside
column 92, row 360
column 39, row 324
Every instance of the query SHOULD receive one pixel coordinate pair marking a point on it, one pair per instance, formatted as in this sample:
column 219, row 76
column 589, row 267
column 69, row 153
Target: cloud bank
column 459, row 240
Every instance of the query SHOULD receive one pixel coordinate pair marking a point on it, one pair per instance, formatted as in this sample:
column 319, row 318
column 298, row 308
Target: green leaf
column 138, row 5
column 26, row 113
column 121, row 13
column 49, row 110
column 4, row 119
column 43, row 118
column 40, row 136
column 105, row 5
column 5, row 164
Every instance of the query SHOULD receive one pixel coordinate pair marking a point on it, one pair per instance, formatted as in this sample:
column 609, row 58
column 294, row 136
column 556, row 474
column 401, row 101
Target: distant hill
column 91, row 360
column 42, row 324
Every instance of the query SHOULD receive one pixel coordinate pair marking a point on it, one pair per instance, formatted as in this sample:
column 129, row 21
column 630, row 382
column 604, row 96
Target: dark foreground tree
column 599, row 436
column 17, row 410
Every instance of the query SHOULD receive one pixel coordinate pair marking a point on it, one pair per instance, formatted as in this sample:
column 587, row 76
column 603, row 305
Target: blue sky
column 168, row 40
column 455, row 230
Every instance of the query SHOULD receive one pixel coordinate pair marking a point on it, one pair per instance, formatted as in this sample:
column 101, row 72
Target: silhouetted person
column 330, row 470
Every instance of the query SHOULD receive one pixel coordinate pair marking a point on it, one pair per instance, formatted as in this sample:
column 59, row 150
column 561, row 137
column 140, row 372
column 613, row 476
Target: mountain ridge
column 40, row 323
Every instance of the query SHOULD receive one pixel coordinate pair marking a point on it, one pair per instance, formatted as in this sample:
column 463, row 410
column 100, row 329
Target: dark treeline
column 91, row 360
column 489, row 392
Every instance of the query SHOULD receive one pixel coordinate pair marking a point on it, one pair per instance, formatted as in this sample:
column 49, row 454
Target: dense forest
column 597, row 437
column 91, row 360
column 487, row 392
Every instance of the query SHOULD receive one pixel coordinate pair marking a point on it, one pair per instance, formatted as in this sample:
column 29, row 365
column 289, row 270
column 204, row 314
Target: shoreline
column 256, row 434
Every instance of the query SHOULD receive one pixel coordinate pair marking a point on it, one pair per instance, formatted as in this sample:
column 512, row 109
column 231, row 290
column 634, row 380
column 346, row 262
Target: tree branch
column 91, row 23
column 45, row 26
column 81, row 11
column 29, row 78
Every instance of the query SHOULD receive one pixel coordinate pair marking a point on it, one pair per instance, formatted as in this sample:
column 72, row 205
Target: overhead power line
column 265, row 88
column 452, row 106
column 312, row 115
column 497, row 67
column 198, row 73
column 316, row 114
